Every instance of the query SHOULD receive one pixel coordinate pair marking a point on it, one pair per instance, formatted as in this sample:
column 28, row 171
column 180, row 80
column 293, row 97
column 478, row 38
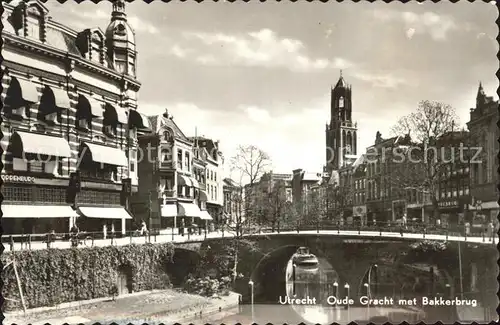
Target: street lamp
column 346, row 286
column 336, row 286
column 250, row 283
column 367, row 286
column 293, row 278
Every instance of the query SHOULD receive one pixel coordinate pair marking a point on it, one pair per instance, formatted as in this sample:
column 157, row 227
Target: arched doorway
column 124, row 279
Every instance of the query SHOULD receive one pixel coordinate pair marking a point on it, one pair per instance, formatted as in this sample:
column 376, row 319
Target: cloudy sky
column 260, row 73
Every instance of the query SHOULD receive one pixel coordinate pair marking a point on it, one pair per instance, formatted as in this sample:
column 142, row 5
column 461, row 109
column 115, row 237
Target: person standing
column 144, row 228
column 183, row 225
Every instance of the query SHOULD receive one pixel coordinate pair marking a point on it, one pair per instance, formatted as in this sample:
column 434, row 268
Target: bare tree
column 274, row 203
column 426, row 126
column 249, row 163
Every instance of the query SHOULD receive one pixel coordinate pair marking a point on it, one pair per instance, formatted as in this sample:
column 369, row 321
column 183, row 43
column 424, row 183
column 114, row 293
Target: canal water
column 306, row 282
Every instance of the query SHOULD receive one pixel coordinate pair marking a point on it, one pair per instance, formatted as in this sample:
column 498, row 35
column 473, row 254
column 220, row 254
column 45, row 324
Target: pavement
column 166, row 305
column 176, row 238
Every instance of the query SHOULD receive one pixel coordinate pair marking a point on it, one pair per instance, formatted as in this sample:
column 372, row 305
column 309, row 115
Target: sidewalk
column 165, row 305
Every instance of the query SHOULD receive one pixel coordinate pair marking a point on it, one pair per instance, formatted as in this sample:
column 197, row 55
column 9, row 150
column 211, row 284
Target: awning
column 138, row 120
column 169, row 210
column 107, row 155
column 203, row 196
column 119, row 112
column 204, row 215
column 104, row 212
column 38, row 211
column 61, row 98
column 184, row 180
column 28, row 90
column 188, row 210
column 194, row 182
column 95, row 107
column 89, row 105
column 44, row 145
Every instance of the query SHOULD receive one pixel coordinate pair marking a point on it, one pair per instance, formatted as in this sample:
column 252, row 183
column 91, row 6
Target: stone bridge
column 349, row 258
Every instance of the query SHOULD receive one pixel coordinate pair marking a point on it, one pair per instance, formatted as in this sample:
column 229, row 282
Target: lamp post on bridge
column 251, row 284
column 346, row 286
column 367, row 286
column 336, row 286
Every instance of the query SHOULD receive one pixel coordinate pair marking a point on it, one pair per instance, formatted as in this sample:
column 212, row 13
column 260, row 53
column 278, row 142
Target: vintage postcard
column 264, row 162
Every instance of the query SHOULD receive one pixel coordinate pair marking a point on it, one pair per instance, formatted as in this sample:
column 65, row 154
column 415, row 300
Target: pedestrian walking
column 183, row 226
column 74, row 235
column 104, row 231
column 144, row 228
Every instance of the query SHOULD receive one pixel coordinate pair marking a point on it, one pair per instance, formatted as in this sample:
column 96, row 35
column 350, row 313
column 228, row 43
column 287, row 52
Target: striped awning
column 118, row 112
column 204, row 215
column 40, row 144
column 107, row 155
column 104, row 212
column 203, row 196
column 29, row 91
column 138, row 120
column 169, row 210
column 184, row 180
column 89, row 105
column 37, row 211
column 188, row 210
column 61, row 98
column 194, row 182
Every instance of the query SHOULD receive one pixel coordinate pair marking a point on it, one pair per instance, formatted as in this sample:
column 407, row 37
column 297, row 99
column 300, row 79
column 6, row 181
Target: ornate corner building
column 70, row 122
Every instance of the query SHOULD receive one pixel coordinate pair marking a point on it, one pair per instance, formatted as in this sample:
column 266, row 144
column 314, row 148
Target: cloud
column 437, row 26
column 258, row 48
column 410, row 32
column 140, row 25
column 257, row 114
column 382, row 80
column 102, row 17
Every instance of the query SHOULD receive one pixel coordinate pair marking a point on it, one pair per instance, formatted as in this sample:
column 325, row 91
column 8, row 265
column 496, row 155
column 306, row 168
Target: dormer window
column 34, row 20
column 96, row 47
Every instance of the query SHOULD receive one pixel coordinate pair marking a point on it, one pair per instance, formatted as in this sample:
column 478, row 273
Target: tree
column 249, row 163
column 426, row 126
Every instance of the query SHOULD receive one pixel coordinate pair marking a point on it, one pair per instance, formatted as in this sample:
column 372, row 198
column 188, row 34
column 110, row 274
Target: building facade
column 484, row 134
column 169, row 194
column 234, row 211
column 454, row 178
column 211, row 155
column 70, row 122
column 387, row 177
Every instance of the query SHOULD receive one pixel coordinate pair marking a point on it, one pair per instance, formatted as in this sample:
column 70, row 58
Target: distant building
column 70, row 122
column 302, row 184
column 233, row 210
column 211, row 155
column 453, row 179
column 358, row 176
column 169, row 178
column 385, row 179
column 484, row 134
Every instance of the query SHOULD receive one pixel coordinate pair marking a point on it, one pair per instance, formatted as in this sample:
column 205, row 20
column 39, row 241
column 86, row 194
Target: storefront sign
column 448, row 204
column 359, row 210
column 18, row 179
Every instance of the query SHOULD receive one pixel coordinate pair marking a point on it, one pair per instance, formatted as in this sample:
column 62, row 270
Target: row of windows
column 98, row 197
column 27, row 193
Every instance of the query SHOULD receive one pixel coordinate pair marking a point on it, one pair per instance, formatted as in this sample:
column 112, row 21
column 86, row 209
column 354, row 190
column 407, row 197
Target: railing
column 197, row 234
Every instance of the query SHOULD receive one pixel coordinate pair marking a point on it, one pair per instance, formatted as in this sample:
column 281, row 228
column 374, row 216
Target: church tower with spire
column 120, row 41
column 341, row 132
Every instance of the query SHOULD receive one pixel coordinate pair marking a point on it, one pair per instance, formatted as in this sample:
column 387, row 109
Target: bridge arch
column 183, row 263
